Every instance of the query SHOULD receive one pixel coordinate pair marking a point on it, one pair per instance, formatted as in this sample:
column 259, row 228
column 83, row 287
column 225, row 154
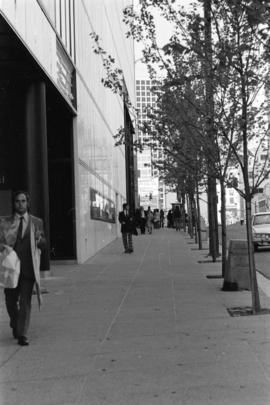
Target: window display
column 102, row 208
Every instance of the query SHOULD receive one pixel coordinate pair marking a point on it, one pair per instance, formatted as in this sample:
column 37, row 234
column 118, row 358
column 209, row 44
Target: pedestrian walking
column 25, row 234
column 156, row 218
column 162, row 218
column 149, row 220
column 142, row 220
column 127, row 228
column 170, row 219
column 177, row 218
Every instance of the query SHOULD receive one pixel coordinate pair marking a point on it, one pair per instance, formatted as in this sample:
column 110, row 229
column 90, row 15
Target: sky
column 164, row 31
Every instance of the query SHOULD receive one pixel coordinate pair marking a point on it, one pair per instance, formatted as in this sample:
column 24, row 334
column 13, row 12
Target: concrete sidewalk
column 143, row 329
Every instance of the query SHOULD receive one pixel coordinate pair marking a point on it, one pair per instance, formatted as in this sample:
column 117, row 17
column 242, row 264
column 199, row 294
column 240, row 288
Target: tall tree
column 235, row 70
column 244, row 66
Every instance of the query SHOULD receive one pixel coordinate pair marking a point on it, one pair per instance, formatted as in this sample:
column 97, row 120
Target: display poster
column 101, row 207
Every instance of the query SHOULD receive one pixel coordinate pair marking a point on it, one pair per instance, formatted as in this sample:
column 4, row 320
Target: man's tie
column 20, row 229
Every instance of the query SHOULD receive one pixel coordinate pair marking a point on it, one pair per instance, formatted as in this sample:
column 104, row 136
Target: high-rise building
column 151, row 188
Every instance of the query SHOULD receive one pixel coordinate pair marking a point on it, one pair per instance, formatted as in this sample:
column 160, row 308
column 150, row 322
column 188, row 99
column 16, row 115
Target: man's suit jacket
column 8, row 236
column 126, row 222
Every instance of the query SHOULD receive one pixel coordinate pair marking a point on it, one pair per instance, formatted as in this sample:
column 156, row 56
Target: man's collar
column 25, row 216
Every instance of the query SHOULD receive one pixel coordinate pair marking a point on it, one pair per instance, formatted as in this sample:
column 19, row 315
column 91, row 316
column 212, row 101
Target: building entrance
column 36, row 145
column 61, row 178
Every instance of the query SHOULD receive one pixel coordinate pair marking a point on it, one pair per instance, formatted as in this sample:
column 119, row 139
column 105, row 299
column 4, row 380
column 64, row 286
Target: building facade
column 57, row 120
column 152, row 190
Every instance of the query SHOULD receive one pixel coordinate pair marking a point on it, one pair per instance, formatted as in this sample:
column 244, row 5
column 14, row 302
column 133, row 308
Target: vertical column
column 37, row 158
column 127, row 163
column 129, row 155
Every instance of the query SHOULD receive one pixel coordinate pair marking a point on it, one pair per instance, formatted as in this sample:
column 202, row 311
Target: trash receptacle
column 237, row 267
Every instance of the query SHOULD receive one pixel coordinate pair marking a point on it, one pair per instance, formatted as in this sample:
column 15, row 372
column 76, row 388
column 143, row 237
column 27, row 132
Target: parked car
column 261, row 229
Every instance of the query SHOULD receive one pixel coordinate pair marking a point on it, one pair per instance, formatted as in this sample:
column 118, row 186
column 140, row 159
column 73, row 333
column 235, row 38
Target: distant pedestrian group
column 177, row 218
column 146, row 221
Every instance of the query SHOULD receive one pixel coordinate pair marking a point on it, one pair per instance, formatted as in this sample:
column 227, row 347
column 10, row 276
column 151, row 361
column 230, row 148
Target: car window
column 261, row 219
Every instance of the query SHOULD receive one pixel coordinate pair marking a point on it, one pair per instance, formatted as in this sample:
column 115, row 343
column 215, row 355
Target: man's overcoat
column 8, row 236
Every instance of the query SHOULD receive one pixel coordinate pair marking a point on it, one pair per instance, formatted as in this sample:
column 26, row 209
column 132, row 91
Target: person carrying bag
column 10, row 267
column 23, row 233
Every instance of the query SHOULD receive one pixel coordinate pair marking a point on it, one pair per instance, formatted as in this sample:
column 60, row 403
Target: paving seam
column 82, row 389
column 102, row 271
column 172, row 287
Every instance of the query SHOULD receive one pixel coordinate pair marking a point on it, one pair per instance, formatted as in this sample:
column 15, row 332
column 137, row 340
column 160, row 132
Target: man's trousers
column 127, row 241
column 18, row 303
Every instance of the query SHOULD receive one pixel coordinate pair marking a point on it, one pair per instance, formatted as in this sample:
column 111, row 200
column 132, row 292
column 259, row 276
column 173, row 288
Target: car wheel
column 255, row 247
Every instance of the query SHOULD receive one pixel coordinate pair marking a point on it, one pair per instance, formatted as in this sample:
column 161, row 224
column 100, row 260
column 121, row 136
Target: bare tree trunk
column 252, row 270
column 256, row 307
column 210, row 134
column 184, row 211
column 195, row 216
column 198, row 218
column 212, row 222
column 223, row 226
column 190, row 224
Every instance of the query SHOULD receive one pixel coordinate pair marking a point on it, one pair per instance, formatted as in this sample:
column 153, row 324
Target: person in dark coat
column 142, row 220
column 161, row 218
column 149, row 220
column 177, row 218
column 127, row 228
column 170, row 219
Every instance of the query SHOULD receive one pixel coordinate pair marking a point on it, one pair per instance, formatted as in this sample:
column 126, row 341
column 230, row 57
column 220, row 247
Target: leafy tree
column 175, row 127
column 237, row 64
column 222, row 59
column 243, row 65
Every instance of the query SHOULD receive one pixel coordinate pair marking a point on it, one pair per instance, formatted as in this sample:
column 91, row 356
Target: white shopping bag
column 10, row 268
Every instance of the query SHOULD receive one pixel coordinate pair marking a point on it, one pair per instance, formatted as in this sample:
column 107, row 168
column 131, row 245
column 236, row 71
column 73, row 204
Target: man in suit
column 127, row 227
column 25, row 234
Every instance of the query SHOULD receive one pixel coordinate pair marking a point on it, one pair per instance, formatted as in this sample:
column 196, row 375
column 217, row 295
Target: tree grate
column 246, row 311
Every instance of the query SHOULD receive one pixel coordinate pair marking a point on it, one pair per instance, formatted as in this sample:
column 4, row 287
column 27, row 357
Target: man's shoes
column 22, row 341
column 130, row 251
column 126, row 251
column 14, row 333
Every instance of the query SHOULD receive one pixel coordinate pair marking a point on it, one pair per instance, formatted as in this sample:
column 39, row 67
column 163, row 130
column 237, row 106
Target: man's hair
column 18, row 192
column 124, row 206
